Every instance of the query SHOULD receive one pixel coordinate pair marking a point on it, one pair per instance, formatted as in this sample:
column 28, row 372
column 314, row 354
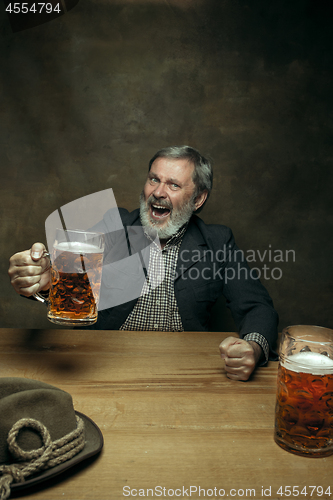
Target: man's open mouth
column 159, row 212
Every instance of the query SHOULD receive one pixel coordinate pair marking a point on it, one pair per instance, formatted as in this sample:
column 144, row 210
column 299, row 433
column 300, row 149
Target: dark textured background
column 88, row 98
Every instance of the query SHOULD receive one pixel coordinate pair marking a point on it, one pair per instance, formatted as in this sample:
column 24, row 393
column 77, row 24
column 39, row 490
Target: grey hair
column 203, row 170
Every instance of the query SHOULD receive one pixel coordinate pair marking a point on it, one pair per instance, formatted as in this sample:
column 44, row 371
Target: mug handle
column 38, row 296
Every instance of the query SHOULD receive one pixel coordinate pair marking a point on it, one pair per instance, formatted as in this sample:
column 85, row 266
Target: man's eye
column 175, row 186
column 153, row 179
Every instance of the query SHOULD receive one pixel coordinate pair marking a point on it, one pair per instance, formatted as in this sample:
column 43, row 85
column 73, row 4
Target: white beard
column 176, row 218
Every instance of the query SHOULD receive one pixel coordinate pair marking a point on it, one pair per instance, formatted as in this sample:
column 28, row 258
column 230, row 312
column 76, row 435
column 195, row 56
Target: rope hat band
column 50, row 454
column 40, row 434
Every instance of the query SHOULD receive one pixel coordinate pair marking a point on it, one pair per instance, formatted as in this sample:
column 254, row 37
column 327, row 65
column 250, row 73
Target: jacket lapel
column 192, row 248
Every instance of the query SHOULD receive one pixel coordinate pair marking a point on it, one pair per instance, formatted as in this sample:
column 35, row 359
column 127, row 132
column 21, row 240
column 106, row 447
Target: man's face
column 167, row 198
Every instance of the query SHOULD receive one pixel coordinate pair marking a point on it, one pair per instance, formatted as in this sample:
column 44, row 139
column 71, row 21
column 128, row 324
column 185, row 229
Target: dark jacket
column 209, row 264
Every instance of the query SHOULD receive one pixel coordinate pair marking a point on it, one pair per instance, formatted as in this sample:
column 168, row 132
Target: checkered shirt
column 156, row 308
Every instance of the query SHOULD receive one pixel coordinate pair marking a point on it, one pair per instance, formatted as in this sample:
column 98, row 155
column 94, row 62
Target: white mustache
column 162, row 204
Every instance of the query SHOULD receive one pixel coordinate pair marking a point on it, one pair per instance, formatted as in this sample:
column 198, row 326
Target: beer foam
column 77, row 247
column 309, row 362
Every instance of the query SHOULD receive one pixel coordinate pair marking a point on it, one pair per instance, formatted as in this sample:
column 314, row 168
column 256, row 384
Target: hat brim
column 94, row 444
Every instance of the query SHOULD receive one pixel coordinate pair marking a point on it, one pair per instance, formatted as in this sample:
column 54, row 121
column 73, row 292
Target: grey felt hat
column 41, row 435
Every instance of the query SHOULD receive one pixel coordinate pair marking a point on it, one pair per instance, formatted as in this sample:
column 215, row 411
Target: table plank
column 169, row 415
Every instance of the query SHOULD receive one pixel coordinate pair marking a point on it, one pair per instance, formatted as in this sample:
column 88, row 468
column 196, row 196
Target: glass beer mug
column 304, row 405
column 76, row 270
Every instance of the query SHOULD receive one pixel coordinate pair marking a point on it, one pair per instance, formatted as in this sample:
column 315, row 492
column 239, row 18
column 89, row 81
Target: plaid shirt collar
column 173, row 241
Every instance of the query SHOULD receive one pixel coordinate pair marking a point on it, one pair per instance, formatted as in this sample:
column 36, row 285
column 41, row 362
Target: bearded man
column 178, row 185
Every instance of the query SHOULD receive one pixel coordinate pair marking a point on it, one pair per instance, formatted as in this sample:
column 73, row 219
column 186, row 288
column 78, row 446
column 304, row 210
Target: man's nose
column 160, row 191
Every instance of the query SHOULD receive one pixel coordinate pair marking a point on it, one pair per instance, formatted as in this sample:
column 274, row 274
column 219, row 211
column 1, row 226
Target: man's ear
column 200, row 199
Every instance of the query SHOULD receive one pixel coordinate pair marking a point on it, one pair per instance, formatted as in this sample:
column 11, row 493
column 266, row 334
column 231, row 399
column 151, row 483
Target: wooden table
column 170, row 417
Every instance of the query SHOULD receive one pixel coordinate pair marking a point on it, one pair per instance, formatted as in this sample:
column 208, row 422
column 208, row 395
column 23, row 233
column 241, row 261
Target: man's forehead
column 173, row 168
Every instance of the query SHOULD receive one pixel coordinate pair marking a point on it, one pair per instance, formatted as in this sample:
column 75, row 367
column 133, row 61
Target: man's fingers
column 239, row 350
column 225, row 345
column 26, row 281
column 239, row 376
column 232, row 347
column 241, row 372
column 234, row 362
column 235, row 365
column 25, row 259
column 37, row 251
column 238, row 358
column 29, row 270
column 20, row 259
column 26, row 271
column 28, row 291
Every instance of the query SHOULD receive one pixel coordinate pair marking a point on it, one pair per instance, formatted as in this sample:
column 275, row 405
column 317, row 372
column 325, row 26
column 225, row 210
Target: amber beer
column 304, row 406
column 75, row 283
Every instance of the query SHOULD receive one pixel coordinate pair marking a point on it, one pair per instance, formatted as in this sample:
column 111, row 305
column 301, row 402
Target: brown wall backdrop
column 88, row 98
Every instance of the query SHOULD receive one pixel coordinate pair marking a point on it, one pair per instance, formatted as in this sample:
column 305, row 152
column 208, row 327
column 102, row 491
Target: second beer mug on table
column 76, row 270
column 304, row 406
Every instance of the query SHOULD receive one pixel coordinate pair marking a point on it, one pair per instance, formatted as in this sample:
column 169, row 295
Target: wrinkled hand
column 29, row 271
column 240, row 357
